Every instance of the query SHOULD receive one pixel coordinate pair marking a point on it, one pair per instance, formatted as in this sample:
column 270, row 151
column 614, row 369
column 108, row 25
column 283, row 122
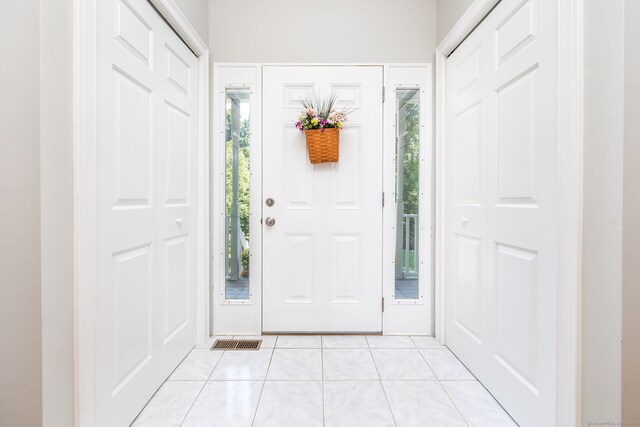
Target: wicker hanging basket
column 323, row 145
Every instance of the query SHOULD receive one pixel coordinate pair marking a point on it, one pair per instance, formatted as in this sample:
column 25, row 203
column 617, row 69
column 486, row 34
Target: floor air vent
column 236, row 345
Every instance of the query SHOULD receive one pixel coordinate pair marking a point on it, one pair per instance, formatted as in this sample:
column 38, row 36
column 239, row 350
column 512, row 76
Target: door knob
column 270, row 221
column 179, row 221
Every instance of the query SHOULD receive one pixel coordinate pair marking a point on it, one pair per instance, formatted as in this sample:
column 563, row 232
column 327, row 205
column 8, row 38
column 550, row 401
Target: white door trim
column 84, row 147
column 570, row 107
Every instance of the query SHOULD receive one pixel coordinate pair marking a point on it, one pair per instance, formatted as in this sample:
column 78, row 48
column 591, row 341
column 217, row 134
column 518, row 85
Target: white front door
column 322, row 259
column 501, row 203
column 146, row 146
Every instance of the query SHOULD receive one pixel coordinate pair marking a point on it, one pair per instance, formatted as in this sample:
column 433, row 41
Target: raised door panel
column 176, row 290
column 298, row 173
column 178, row 71
column 296, row 93
column 518, row 30
column 467, row 155
column 348, row 95
column 133, row 32
column 517, row 141
column 347, row 175
column 178, row 160
column 298, row 268
column 517, row 313
column 467, row 70
column 132, row 144
column 346, row 268
column 132, row 326
column 467, row 298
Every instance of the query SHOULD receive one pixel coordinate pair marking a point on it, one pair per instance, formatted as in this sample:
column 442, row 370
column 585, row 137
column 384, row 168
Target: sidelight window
column 237, row 232
column 407, row 255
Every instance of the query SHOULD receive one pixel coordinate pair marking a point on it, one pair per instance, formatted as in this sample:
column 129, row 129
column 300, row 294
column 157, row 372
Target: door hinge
column 383, row 93
column 383, row 199
column 383, row 304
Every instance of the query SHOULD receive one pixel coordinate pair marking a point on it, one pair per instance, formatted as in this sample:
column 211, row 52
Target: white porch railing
column 410, row 229
column 410, row 258
column 233, row 263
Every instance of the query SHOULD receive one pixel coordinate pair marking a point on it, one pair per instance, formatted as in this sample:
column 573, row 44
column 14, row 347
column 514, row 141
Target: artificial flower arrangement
column 321, row 124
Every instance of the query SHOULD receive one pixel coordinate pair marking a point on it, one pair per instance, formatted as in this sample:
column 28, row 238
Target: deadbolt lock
column 270, row 202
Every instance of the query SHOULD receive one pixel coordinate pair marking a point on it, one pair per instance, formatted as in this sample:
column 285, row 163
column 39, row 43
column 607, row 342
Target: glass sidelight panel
column 407, row 193
column 238, row 136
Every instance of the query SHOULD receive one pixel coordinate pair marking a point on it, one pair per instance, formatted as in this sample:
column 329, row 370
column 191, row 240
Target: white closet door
column 322, row 259
column 146, row 127
column 501, row 236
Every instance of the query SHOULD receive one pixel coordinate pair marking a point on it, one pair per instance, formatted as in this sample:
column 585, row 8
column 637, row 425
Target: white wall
column 602, row 239
column 631, row 213
column 197, row 13
column 291, row 31
column 447, row 14
column 56, row 183
column 20, row 400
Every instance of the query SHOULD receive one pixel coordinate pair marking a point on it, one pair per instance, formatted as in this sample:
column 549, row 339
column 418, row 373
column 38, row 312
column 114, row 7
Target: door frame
column 570, row 164
column 235, row 317
column 245, row 318
column 85, row 194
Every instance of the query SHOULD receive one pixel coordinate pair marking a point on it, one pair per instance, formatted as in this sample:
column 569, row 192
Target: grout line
column 179, row 364
column 454, row 403
column 255, row 413
column 485, row 389
column 475, row 379
column 393, row 417
column 216, row 365
column 163, row 383
column 201, row 389
column 444, row 389
column 414, row 342
column 193, row 403
column 384, row 391
column 428, row 365
column 496, row 400
column 322, row 377
column 146, row 404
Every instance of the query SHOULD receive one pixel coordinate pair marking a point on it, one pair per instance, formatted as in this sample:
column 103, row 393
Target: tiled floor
column 310, row 381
